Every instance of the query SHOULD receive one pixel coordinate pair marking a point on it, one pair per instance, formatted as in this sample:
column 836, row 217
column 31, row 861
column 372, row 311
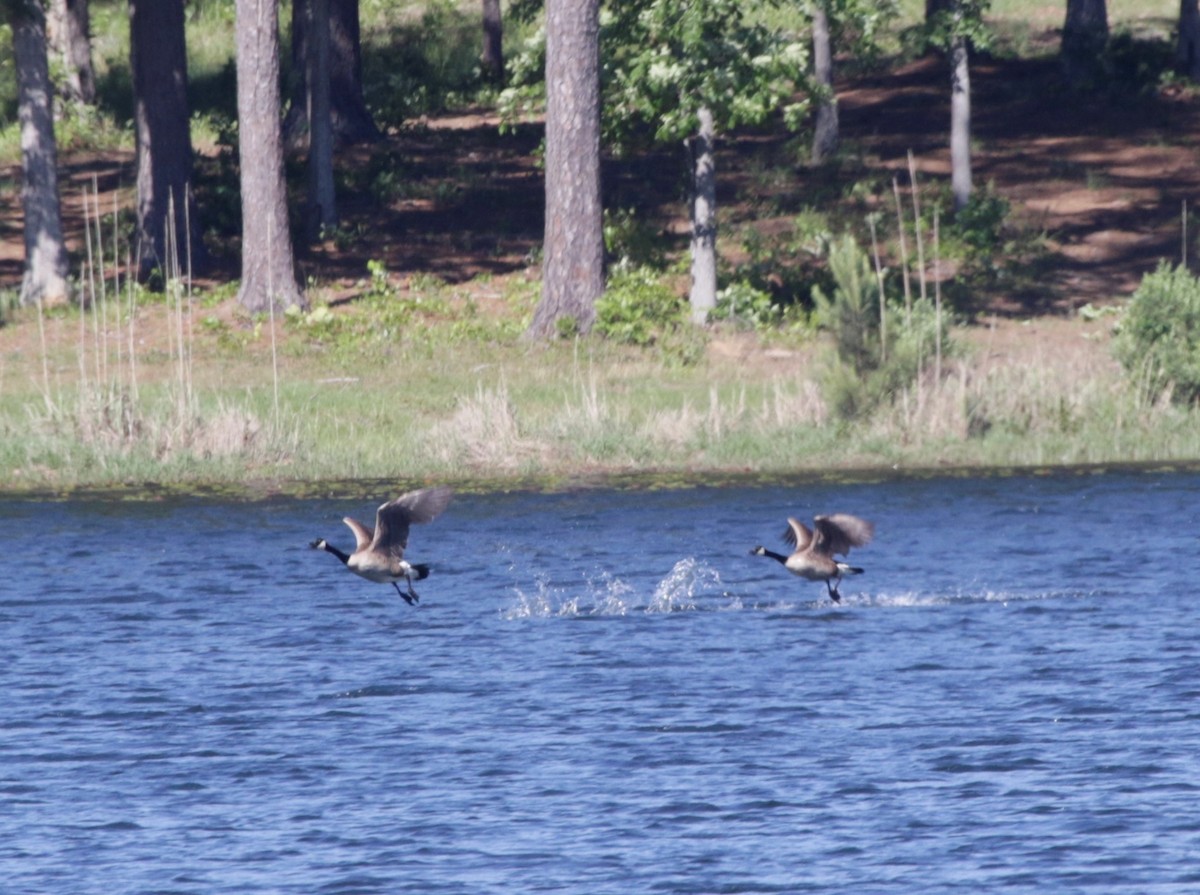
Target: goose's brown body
column 813, row 556
column 379, row 552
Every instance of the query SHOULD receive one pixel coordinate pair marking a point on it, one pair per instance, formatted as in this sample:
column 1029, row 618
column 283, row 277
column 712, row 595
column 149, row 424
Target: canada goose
column 813, row 556
column 379, row 555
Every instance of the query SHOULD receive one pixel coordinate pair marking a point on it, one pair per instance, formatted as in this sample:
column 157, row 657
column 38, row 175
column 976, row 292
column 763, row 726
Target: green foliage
column 423, row 66
column 960, row 20
column 783, row 265
column 662, row 61
column 873, row 360
column 637, row 308
column 632, row 239
column 851, row 313
column 858, row 25
column 979, row 224
column 744, row 304
column 1159, row 336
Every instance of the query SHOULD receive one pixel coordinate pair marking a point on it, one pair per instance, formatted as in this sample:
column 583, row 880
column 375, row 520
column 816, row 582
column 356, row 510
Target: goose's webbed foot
column 411, row 597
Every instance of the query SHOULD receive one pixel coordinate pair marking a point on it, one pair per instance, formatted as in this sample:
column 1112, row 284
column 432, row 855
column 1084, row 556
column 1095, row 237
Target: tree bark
column 168, row 225
column 1187, row 50
column 825, row 136
column 322, row 210
column 573, row 269
column 703, row 297
column 1084, row 38
column 69, row 32
column 46, row 262
column 960, row 123
column 492, row 57
column 351, row 120
column 268, row 269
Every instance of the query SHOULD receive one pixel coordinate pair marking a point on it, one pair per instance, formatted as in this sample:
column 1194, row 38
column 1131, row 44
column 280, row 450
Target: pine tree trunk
column 69, row 30
column 350, row 118
column 322, row 209
column 268, row 271
column 492, row 57
column 1187, row 50
column 158, row 58
column 703, row 297
column 825, row 136
column 960, row 124
column 46, row 263
column 573, row 268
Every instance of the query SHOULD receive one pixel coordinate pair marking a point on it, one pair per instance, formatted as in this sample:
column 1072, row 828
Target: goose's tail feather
column 847, row 569
column 420, row 571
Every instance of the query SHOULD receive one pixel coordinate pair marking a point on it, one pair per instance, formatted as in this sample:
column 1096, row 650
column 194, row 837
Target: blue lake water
column 602, row 692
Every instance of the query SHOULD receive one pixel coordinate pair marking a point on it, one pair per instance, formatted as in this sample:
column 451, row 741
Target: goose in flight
column 813, row 557
column 379, row 554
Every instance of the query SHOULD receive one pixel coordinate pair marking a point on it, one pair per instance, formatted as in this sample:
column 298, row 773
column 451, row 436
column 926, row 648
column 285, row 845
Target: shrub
column 637, row 308
column 744, row 304
column 872, row 363
column 851, row 312
column 979, row 225
column 1159, row 336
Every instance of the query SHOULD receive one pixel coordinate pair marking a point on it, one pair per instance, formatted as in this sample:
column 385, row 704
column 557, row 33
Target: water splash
column 603, row 596
column 677, row 592
column 608, row 596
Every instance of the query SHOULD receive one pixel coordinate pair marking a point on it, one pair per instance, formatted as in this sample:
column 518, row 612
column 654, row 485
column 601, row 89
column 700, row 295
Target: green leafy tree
column 851, row 26
column 954, row 27
column 1159, row 337
column 686, row 72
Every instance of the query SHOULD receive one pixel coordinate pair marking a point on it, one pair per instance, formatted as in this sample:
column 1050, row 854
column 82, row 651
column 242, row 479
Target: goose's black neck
column 329, row 548
column 778, row 557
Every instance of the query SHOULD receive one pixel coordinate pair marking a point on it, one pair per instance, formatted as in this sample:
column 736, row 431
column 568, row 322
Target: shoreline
column 648, row 480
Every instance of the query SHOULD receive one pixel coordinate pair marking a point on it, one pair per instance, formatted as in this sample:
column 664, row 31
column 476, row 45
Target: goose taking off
column 813, row 556
column 379, row 555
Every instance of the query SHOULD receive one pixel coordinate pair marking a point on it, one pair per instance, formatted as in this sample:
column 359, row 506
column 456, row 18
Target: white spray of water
column 608, row 596
column 677, row 592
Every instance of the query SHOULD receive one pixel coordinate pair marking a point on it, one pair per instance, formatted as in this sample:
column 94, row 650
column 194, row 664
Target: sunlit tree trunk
column 960, row 123
column 573, row 267
column 46, row 262
column 70, row 40
column 825, row 136
column 158, row 58
column 703, row 296
column 268, row 269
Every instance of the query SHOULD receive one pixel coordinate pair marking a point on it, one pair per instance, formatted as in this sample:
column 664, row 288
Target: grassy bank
column 209, row 396
column 400, row 376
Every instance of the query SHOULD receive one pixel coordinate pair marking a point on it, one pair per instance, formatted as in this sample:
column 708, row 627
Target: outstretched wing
column 394, row 517
column 797, row 534
column 362, row 534
column 841, row 531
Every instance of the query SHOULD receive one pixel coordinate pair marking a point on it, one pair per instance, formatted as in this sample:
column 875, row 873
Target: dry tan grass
column 483, row 432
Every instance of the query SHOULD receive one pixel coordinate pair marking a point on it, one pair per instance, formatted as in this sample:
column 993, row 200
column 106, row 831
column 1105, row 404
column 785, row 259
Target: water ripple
column 618, row 699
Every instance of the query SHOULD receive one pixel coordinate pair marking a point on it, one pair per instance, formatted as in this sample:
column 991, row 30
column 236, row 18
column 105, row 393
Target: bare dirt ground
column 1105, row 178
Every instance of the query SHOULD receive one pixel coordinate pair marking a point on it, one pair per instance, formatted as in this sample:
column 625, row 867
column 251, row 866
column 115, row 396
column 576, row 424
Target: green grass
column 504, row 409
